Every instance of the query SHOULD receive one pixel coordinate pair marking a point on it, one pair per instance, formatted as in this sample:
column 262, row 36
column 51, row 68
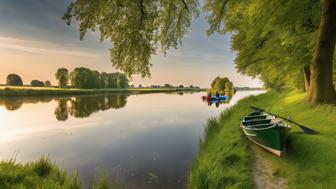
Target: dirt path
column 263, row 173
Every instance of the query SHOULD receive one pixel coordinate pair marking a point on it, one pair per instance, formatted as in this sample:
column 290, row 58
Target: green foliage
column 221, row 85
column 47, row 83
column 103, row 182
column 84, row 78
column 273, row 39
column 62, row 75
column 14, row 80
column 167, row 85
column 136, row 28
column 43, row 167
column 37, row 83
column 39, row 174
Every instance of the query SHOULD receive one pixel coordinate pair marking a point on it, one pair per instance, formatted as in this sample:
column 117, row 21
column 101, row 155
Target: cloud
column 42, row 48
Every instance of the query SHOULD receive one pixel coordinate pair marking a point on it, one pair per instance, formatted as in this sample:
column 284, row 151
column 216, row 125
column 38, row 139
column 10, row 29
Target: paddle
column 303, row 128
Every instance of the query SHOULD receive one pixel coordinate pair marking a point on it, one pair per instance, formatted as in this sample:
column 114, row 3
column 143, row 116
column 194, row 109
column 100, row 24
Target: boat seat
column 247, row 118
column 255, row 114
column 261, row 125
column 256, row 122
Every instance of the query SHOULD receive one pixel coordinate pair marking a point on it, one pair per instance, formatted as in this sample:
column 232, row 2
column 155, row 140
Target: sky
column 35, row 42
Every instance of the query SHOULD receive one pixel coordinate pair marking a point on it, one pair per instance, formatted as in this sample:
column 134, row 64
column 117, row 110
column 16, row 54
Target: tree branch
column 142, row 13
column 185, row 5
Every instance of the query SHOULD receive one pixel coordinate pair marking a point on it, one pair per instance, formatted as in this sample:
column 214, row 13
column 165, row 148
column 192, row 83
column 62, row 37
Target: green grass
column 47, row 91
column 40, row 174
column 225, row 159
column 45, row 174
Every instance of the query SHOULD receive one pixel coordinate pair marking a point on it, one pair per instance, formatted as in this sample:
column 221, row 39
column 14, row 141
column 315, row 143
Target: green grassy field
column 40, row 91
column 225, row 159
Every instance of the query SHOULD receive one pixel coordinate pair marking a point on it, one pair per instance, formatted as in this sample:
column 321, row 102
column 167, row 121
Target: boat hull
column 272, row 140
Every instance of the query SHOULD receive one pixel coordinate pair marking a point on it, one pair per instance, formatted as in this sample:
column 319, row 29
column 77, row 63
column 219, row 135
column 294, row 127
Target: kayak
column 214, row 98
column 219, row 98
column 266, row 131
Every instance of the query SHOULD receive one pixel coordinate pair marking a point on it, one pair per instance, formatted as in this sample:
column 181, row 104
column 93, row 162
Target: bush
column 36, row 83
column 14, row 80
column 47, row 83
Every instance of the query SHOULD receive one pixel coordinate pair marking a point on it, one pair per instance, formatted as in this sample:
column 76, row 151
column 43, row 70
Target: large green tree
column 14, row 80
column 84, row 78
column 62, row 75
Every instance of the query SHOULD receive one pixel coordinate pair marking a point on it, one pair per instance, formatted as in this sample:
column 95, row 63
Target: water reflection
column 81, row 107
column 15, row 103
column 78, row 107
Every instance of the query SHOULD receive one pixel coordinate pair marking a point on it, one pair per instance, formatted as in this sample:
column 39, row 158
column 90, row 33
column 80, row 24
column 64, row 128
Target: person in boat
column 209, row 96
column 217, row 94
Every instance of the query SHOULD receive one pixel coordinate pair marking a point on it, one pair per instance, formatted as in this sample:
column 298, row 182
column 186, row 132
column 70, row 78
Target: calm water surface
column 146, row 141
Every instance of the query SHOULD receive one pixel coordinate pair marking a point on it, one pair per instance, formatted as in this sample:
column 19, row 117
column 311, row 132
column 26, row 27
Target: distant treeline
column 84, row 78
column 81, row 78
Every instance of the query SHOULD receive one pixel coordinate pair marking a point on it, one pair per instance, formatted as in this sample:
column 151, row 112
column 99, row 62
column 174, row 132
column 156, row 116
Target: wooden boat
column 266, row 131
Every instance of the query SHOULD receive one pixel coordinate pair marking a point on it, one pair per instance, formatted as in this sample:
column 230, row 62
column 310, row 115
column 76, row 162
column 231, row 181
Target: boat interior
column 260, row 120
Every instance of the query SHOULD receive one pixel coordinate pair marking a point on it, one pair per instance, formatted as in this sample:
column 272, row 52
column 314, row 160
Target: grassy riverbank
column 43, row 174
column 226, row 159
column 48, row 91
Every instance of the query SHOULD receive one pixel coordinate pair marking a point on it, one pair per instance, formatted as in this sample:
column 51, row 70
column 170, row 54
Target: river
column 143, row 141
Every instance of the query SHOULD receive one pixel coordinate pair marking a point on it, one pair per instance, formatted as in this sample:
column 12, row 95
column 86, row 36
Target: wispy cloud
column 42, row 48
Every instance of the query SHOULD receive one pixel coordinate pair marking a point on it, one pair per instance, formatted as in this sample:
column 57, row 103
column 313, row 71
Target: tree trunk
column 306, row 74
column 321, row 88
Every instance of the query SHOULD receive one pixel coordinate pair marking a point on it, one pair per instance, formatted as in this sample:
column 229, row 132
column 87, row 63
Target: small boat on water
column 215, row 98
column 266, row 131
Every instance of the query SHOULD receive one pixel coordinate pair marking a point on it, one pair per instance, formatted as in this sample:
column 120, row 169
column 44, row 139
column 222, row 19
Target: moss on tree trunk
column 321, row 88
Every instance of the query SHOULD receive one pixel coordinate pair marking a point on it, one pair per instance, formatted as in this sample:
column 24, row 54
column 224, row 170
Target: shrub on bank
column 37, row 83
column 14, row 80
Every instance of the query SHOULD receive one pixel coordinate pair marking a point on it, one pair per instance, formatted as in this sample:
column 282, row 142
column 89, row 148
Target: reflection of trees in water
column 79, row 106
column 61, row 111
column 117, row 102
column 15, row 103
column 84, row 106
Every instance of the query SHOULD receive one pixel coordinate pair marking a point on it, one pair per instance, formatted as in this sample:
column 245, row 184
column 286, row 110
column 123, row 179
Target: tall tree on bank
column 62, row 75
column 321, row 89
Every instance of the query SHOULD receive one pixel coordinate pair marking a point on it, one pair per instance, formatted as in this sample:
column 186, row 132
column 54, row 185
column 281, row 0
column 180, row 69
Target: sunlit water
column 143, row 141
